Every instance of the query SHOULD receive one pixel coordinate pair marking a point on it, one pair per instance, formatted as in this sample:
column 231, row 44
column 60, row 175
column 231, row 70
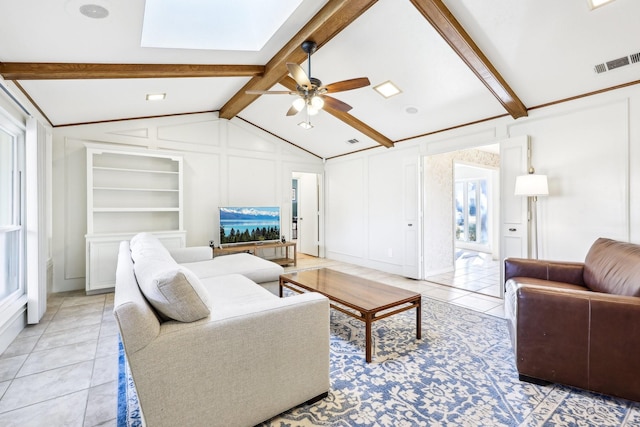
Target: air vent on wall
column 352, row 141
column 617, row 63
column 601, row 68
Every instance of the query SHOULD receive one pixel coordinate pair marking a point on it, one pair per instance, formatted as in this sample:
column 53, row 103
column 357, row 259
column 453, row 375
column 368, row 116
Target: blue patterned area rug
column 461, row 373
column 128, row 407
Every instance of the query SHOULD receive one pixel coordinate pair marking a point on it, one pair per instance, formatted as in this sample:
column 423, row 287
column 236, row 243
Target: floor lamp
column 532, row 186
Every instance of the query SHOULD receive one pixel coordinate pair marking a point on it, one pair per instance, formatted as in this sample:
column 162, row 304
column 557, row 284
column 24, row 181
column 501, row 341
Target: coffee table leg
column 419, row 319
column 280, row 288
column 367, row 322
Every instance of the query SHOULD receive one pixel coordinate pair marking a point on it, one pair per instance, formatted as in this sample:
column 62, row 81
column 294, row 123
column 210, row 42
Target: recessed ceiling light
column 411, row 109
column 593, row 4
column 387, row 89
column 94, row 11
column 305, row 125
column 156, row 96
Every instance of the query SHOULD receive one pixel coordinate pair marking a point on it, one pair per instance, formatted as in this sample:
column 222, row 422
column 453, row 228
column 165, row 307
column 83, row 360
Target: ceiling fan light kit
column 299, row 104
column 311, row 94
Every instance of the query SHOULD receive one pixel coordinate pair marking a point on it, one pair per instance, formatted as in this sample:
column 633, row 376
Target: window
column 11, row 214
column 471, row 202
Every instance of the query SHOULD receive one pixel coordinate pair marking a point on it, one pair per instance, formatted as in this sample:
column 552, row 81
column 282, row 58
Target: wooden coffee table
column 371, row 300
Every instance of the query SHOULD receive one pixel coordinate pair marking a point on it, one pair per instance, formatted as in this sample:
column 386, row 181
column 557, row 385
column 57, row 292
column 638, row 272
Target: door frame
column 319, row 217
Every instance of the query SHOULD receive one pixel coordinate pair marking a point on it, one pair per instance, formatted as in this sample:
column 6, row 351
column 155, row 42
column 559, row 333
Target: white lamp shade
column 532, row 185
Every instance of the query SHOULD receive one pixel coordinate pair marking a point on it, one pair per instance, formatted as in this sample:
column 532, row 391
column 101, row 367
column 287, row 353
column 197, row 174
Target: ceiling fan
column 310, row 91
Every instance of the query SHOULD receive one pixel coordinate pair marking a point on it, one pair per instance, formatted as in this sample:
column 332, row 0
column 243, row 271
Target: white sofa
column 238, row 356
column 199, row 259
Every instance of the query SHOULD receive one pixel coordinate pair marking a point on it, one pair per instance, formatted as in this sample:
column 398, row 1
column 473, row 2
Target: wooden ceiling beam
column 455, row 35
column 347, row 118
column 334, row 17
column 72, row 71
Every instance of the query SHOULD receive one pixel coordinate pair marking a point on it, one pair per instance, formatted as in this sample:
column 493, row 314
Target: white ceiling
column 544, row 49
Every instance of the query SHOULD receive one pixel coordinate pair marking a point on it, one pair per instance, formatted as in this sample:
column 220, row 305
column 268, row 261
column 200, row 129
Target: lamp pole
column 532, row 186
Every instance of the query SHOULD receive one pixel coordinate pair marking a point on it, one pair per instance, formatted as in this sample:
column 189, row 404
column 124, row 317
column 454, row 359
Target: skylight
column 244, row 25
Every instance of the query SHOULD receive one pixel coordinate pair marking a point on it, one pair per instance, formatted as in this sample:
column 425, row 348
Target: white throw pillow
column 178, row 294
column 174, row 291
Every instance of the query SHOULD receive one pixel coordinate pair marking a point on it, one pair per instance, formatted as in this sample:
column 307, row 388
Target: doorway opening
column 465, row 218
column 305, row 218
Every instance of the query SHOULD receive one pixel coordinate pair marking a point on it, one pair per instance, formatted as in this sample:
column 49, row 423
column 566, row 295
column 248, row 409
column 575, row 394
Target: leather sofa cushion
column 613, row 267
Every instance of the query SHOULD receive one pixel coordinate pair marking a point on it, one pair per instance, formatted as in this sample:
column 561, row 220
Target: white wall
column 225, row 163
column 364, row 207
column 589, row 148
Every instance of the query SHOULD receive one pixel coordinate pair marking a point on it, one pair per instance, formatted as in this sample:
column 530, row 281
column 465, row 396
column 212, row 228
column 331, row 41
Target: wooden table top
column 350, row 290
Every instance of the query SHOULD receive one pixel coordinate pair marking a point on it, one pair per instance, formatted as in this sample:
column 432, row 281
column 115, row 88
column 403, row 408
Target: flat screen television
column 249, row 224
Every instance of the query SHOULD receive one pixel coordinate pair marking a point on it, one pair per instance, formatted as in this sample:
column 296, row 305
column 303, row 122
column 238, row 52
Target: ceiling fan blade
column 269, row 92
column 298, row 75
column 347, row 85
column 292, row 111
column 336, row 104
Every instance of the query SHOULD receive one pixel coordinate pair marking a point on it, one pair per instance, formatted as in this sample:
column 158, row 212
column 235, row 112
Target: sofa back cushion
column 174, row 291
column 613, row 267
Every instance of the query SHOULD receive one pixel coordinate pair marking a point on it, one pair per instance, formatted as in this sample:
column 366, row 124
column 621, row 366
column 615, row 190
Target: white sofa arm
column 239, row 370
column 191, row 254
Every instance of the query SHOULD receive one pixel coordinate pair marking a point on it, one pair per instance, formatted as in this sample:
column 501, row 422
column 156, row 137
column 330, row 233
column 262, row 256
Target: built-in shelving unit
column 129, row 192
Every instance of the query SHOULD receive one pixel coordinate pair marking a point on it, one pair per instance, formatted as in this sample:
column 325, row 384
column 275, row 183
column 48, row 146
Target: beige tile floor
column 63, row 371
column 474, row 271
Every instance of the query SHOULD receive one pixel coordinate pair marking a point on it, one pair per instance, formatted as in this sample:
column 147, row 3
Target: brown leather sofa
column 578, row 324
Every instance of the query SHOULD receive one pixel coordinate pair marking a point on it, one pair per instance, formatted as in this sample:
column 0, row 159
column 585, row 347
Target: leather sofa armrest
column 615, row 345
column 553, row 334
column 568, row 272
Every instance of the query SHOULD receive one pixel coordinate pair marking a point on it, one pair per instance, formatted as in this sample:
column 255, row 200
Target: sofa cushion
column 613, row 267
column 255, row 268
column 174, row 291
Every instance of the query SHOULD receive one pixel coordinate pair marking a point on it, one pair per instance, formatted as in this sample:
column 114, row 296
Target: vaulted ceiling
column 456, row 62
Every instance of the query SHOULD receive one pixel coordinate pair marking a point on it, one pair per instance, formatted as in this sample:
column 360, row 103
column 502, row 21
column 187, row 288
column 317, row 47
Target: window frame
column 17, row 221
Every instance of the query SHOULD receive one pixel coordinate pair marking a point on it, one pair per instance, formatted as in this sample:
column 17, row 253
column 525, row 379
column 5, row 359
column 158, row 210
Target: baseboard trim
column 12, row 327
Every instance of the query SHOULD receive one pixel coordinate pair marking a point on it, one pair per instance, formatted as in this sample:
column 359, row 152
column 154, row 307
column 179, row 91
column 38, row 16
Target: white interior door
column 514, row 230
column 308, row 214
column 411, row 266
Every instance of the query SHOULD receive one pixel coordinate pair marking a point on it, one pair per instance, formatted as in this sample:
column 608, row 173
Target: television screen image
column 247, row 224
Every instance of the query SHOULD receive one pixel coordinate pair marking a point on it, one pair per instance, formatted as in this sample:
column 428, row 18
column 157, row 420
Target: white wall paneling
column 589, row 148
column 585, row 154
column 346, row 212
column 365, row 221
